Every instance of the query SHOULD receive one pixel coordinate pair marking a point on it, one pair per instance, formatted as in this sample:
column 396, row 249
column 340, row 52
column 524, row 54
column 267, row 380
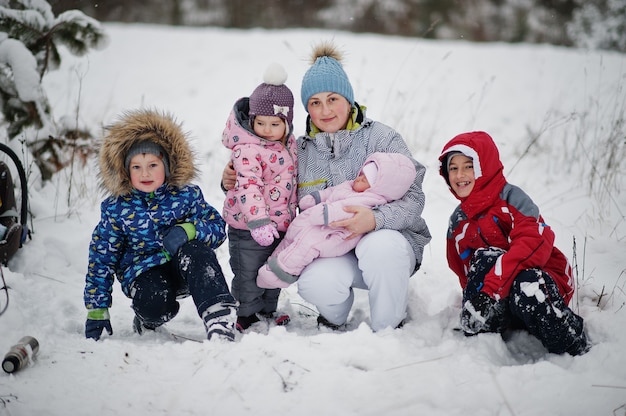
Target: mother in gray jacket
column 338, row 140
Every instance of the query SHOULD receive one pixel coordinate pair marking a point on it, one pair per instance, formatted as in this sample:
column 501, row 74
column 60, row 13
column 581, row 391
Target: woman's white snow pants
column 382, row 263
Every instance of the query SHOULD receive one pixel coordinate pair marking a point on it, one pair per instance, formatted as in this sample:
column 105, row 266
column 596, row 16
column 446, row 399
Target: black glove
column 174, row 238
column 482, row 313
column 94, row 327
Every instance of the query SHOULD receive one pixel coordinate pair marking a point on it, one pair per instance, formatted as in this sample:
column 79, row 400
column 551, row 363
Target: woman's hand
column 229, row 176
column 362, row 222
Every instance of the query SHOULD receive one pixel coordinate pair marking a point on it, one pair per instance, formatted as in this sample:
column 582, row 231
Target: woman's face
column 329, row 111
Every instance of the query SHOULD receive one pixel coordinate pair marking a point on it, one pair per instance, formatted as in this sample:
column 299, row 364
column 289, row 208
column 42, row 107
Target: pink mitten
column 306, row 202
column 265, row 234
column 266, row 279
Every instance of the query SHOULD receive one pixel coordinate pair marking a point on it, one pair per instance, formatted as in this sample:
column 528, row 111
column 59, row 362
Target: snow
column 23, row 66
column 550, row 110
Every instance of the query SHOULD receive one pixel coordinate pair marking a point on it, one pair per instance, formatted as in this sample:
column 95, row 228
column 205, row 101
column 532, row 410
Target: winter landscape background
column 558, row 116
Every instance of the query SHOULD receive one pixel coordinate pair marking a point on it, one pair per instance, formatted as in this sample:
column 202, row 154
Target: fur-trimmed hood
column 136, row 126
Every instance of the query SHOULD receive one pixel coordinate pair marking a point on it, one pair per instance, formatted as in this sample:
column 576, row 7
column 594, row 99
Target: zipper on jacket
column 495, row 219
column 331, row 143
column 482, row 237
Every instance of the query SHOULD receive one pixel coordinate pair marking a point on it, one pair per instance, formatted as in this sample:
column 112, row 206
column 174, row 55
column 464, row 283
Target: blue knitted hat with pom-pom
column 326, row 75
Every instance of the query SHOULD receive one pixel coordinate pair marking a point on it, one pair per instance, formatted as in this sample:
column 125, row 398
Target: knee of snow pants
column 199, row 268
column 154, row 296
column 536, row 301
column 327, row 284
column 482, row 261
column 387, row 260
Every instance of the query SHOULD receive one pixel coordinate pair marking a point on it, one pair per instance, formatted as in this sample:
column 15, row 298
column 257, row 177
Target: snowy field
column 549, row 109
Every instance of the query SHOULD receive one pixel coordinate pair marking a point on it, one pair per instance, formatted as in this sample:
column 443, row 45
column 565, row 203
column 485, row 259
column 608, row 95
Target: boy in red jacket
column 511, row 273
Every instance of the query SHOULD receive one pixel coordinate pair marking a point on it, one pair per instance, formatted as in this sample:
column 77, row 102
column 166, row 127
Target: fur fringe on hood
column 136, row 126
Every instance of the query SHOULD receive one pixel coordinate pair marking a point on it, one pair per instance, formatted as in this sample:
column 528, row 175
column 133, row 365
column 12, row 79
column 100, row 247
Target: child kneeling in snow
column 156, row 233
column 383, row 178
column 503, row 252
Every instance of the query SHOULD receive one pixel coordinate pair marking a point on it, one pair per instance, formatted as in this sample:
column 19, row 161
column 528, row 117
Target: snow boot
column 139, row 327
column 323, row 322
column 219, row 321
column 580, row 346
column 244, row 322
column 279, row 320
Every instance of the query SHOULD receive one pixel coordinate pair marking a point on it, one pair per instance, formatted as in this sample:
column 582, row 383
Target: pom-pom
column 326, row 48
column 275, row 74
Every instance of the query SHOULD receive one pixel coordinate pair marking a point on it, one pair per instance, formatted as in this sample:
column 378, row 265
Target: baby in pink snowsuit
column 383, row 178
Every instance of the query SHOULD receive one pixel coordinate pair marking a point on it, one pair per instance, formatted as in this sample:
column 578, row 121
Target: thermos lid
column 10, row 364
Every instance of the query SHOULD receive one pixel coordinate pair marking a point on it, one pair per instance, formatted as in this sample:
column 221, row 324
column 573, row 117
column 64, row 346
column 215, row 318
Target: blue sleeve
column 105, row 251
column 210, row 226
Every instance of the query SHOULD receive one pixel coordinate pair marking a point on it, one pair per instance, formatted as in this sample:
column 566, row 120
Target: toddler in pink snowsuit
column 383, row 178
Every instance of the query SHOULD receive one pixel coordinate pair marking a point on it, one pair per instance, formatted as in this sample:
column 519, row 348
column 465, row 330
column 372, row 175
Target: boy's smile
column 461, row 175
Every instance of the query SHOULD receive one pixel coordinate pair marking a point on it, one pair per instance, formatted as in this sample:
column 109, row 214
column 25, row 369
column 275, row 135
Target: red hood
column 488, row 168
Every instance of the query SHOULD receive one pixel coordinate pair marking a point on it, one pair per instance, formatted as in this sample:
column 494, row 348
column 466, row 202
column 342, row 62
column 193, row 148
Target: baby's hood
column 135, row 126
column 394, row 176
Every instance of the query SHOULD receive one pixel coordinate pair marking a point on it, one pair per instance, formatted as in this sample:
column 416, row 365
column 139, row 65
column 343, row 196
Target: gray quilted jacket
column 329, row 159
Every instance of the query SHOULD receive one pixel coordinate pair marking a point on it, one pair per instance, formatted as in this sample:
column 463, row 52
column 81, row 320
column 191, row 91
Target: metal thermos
column 20, row 354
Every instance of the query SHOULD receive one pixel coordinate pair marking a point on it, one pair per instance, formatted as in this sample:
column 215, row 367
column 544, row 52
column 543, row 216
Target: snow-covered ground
column 549, row 109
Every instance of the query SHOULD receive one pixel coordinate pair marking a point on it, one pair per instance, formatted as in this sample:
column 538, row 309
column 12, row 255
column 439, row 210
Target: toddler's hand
column 265, row 234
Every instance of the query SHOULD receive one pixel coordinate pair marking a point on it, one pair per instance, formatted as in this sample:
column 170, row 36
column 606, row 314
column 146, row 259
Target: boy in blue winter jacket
column 157, row 234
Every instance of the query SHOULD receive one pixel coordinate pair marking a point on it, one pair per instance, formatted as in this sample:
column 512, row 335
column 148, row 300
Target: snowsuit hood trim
column 238, row 130
column 488, row 170
column 136, row 126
